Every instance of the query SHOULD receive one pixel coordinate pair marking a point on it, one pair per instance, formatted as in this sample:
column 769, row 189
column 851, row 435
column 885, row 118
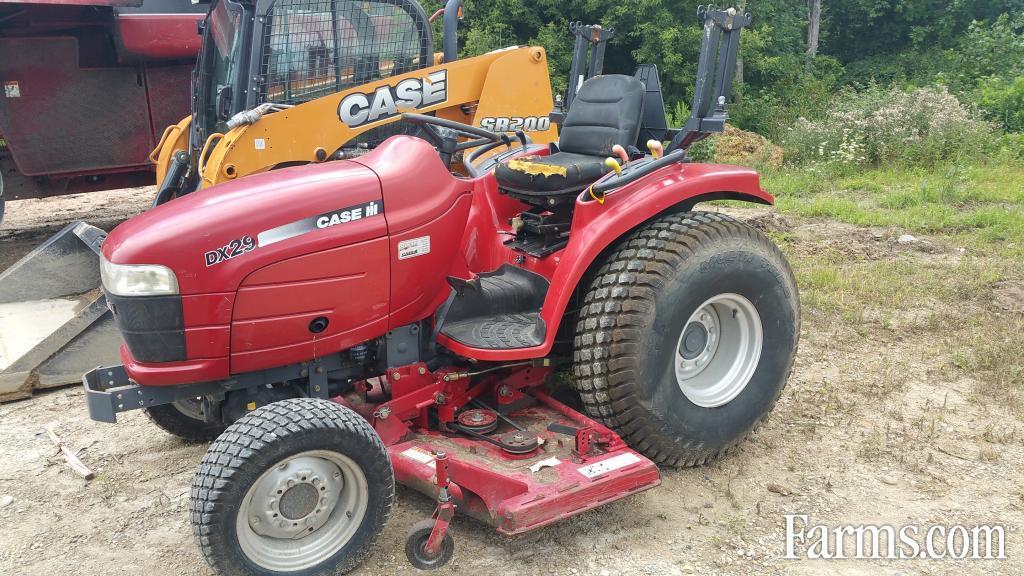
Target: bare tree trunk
column 813, row 26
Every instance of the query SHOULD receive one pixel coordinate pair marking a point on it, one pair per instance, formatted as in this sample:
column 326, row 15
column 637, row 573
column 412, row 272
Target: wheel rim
column 718, row 350
column 191, row 407
column 302, row 511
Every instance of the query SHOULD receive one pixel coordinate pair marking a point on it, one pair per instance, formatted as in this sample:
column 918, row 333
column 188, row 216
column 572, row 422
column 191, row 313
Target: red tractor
column 341, row 326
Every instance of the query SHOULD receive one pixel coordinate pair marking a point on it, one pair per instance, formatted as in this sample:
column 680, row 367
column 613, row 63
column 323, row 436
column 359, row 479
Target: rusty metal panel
column 116, row 3
column 58, row 117
column 169, row 94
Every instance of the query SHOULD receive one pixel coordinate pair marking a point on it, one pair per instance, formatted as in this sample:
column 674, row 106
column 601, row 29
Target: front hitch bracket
column 109, row 391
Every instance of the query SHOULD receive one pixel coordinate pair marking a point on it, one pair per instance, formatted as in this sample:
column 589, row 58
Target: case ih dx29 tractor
column 341, row 326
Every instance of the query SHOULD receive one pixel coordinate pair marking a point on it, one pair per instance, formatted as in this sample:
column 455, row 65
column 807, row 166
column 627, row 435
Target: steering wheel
column 448, row 144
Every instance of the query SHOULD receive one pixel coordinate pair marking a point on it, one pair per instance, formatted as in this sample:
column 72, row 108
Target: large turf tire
column 255, row 446
column 629, row 329
column 175, row 419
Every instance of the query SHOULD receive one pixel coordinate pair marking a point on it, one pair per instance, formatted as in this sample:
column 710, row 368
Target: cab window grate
column 312, row 48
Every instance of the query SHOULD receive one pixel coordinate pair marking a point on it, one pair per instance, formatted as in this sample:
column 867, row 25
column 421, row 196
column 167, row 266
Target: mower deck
column 518, row 493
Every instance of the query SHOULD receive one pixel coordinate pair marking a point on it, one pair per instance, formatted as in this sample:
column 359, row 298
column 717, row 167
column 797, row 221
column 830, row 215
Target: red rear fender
column 598, row 226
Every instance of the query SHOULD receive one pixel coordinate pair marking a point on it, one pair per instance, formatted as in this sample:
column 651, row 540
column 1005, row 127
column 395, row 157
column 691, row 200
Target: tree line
column 796, row 54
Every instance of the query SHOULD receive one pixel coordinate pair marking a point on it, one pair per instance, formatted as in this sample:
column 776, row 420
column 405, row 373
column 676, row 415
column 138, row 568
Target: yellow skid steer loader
column 326, row 79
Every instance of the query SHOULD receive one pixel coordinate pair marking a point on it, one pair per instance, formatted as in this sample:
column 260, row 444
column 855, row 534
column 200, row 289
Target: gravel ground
column 926, row 451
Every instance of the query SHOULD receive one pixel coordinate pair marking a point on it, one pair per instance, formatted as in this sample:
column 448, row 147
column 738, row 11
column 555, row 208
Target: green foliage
column 987, row 50
column 795, row 92
column 876, row 125
column 894, row 51
column 1003, row 101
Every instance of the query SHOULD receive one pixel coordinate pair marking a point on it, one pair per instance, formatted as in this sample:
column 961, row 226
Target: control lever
column 522, row 138
column 619, row 151
column 656, row 148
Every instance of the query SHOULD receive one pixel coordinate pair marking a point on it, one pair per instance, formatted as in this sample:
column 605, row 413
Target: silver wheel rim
column 302, row 510
column 718, row 350
column 191, row 407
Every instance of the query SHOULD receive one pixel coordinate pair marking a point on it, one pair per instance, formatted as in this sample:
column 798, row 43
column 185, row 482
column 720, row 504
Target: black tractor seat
column 607, row 111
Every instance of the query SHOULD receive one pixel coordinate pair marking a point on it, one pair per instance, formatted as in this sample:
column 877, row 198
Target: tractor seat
column 607, row 110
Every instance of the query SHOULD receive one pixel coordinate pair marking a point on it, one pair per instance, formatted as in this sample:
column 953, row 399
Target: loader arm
column 507, row 90
column 174, row 139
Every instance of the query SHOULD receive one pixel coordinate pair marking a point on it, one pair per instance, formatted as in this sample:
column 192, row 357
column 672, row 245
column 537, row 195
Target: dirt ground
column 874, row 427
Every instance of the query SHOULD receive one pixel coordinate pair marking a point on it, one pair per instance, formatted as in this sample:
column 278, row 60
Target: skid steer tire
column 175, row 419
column 686, row 336
column 287, row 468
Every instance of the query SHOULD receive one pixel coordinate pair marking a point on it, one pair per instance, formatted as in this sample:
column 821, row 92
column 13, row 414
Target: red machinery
column 88, row 87
column 348, row 324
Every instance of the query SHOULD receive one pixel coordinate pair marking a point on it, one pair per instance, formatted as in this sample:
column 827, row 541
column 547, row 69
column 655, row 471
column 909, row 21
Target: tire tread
column 606, row 357
column 244, row 439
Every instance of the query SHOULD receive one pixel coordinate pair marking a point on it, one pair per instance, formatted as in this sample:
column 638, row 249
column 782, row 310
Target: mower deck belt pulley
column 517, row 441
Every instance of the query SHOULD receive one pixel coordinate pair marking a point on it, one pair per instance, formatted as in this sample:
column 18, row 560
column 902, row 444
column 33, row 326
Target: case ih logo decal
column 325, row 220
column 507, row 124
column 412, row 93
column 232, row 249
column 348, row 215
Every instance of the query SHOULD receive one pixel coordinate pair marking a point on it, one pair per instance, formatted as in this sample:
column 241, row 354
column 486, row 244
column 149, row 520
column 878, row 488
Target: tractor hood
column 214, row 238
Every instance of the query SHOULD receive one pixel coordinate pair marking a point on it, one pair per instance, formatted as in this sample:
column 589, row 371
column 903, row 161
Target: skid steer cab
column 347, row 325
column 287, row 82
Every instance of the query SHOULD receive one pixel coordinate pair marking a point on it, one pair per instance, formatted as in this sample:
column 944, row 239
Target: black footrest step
column 500, row 332
column 497, row 310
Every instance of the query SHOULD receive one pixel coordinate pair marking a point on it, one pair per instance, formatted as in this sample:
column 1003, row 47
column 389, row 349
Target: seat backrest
column 606, row 111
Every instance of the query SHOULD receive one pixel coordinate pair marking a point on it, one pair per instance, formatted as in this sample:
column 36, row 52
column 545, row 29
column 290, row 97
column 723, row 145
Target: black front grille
column 152, row 326
column 312, row 48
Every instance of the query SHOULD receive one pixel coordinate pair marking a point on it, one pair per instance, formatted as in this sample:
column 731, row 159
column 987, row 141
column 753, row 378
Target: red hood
column 182, row 232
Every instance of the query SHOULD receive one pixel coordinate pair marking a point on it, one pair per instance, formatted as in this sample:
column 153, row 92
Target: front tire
column 687, row 336
column 184, row 419
column 299, row 487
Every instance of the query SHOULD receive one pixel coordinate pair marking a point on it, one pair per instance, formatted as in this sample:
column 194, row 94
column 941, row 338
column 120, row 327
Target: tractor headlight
column 137, row 279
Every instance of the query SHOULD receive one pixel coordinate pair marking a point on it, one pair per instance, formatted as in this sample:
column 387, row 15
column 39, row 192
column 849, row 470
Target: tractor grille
column 312, row 48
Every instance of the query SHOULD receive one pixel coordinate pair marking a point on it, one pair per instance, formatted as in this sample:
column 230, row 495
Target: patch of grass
column 973, row 212
column 984, row 202
column 872, row 446
column 851, row 288
column 993, row 353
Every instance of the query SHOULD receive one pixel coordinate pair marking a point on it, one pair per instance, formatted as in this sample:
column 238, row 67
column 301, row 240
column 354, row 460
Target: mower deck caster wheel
column 416, row 543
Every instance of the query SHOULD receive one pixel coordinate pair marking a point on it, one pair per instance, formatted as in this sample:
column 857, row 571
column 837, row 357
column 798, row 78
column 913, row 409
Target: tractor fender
column 598, row 226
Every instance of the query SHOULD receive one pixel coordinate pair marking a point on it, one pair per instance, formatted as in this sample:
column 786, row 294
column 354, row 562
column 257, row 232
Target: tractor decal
column 325, row 220
column 511, row 124
column 385, row 102
column 232, row 249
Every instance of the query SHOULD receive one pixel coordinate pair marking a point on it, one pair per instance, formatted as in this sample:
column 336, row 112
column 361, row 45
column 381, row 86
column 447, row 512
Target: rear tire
column 300, row 487
column 686, row 336
column 183, row 420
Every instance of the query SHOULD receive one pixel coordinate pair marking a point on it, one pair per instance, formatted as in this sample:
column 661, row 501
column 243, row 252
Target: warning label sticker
column 419, row 455
column 12, row 89
column 609, row 465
